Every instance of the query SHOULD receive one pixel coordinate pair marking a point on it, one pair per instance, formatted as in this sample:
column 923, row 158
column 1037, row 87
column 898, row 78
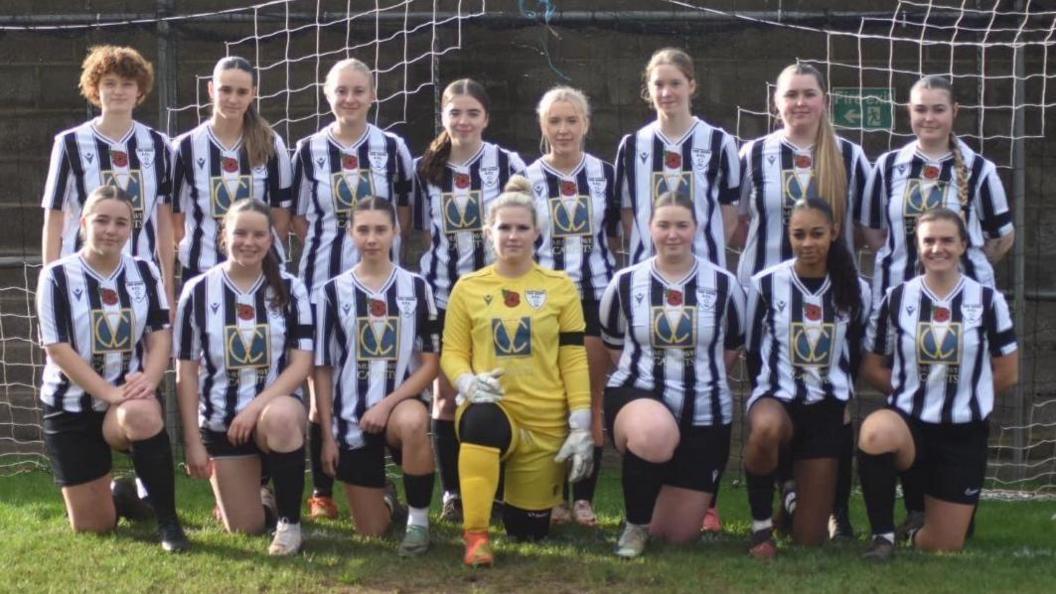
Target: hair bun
column 518, row 183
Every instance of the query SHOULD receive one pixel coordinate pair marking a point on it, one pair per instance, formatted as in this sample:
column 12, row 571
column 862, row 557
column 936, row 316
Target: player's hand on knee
column 199, row 465
column 578, row 447
column 480, row 388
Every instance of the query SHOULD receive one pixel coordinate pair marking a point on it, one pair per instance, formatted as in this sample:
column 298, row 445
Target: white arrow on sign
column 852, row 116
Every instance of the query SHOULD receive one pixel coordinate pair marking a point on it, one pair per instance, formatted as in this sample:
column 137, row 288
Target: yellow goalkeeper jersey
column 531, row 327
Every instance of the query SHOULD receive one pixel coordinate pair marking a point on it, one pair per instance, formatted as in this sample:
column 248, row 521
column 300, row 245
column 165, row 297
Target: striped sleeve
column 622, row 182
column 301, row 330
column 403, row 185
column 744, row 202
column 158, row 305
column 991, row 203
column 517, row 165
column 756, row 316
column 420, row 202
column 326, row 321
column 299, row 191
column 186, row 336
column 857, row 178
column 730, row 171
column 873, row 198
column 611, row 312
column 280, row 176
column 430, row 332
column 181, row 173
column 735, row 317
column 1000, row 334
column 52, row 308
column 880, row 336
column 58, row 183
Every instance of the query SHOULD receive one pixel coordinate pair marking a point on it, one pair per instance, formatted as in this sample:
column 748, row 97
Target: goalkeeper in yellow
column 513, row 345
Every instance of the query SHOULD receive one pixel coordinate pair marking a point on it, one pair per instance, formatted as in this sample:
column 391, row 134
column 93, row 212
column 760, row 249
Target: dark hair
column 431, row 166
column 374, row 203
column 674, row 199
column 257, row 135
column 272, row 271
column 840, row 262
column 941, row 83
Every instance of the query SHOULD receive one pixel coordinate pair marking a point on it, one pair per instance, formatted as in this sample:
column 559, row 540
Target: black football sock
column 152, row 459
column 844, row 469
column 322, row 483
column 760, row 495
column 877, row 475
column 445, row 442
column 419, row 489
column 584, row 489
column 287, row 474
column 641, row 485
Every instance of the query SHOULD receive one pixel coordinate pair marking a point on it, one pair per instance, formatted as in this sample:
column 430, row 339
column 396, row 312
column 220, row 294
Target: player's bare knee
column 139, row 420
column 651, row 444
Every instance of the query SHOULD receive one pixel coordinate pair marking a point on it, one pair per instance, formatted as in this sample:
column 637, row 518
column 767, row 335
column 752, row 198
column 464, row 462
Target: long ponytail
column 257, row 135
column 830, row 171
column 840, row 262
column 431, row 166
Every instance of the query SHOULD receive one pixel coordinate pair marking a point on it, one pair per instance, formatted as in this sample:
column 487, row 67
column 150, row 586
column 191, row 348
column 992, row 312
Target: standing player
column 935, row 170
column 333, row 170
column 679, row 321
column 804, row 159
column 952, row 350
column 233, row 156
column 575, row 199
column 112, row 150
column 678, row 153
column 104, row 325
column 243, row 345
column 376, row 355
column 459, row 177
column 806, row 317
column 513, row 342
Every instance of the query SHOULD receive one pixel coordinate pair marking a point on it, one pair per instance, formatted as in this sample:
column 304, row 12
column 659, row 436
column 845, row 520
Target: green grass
column 1014, row 550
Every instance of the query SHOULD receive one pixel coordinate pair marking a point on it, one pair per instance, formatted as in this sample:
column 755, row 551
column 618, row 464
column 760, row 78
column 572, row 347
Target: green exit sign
column 865, row 108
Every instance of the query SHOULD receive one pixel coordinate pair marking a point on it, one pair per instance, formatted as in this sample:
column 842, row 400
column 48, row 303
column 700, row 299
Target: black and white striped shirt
column 329, row 179
column 373, row 340
column 776, row 174
column 576, row 211
column 104, row 319
column 941, row 348
column 83, row 159
column 208, row 178
column 455, row 215
column 904, row 184
column 702, row 164
column 674, row 335
column 800, row 346
column 239, row 339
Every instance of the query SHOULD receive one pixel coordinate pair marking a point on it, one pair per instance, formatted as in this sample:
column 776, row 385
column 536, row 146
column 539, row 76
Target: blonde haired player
column 513, row 343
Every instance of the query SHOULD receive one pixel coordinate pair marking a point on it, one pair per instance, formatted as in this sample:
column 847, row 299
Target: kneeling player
column 952, row 349
column 376, row 354
column 513, row 342
column 244, row 341
column 678, row 320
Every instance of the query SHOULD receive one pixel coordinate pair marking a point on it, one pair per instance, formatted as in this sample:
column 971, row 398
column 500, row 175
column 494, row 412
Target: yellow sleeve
column 457, row 352
column 571, row 354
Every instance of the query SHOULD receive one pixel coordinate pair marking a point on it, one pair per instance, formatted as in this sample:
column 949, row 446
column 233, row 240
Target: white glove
column 479, row 388
column 578, row 446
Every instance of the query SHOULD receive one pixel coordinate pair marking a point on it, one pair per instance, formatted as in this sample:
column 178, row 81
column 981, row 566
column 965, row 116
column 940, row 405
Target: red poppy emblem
column 672, row 160
column 569, row 188
column 803, row 161
column 377, row 308
column 674, row 297
column 511, row 298
column 461, row 181
column 246, row 312
column 812, row 312
column 119, row 158
column 109, row 296
column 230, row 165
column 349, row 162
column 931, row 172
column 941, row 315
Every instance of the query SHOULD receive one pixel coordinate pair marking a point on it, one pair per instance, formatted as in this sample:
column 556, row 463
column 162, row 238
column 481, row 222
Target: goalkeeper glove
column 479, row 388
column 578, row 446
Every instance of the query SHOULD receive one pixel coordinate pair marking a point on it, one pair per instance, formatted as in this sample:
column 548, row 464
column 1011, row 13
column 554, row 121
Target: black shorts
column 951, row 457
column 75, row 445
column 817, row 429
column 592, row 317
column 702, row 452
column 365, row 466
column 219, row 446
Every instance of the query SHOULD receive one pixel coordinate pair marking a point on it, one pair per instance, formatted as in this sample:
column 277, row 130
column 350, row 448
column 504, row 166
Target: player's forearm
column 187, row 396
column 323, row 379
column 167, row 252
column 159, row 353
column 81, row 373
column 290, row 379
column 418, row 381
column 51, row 240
